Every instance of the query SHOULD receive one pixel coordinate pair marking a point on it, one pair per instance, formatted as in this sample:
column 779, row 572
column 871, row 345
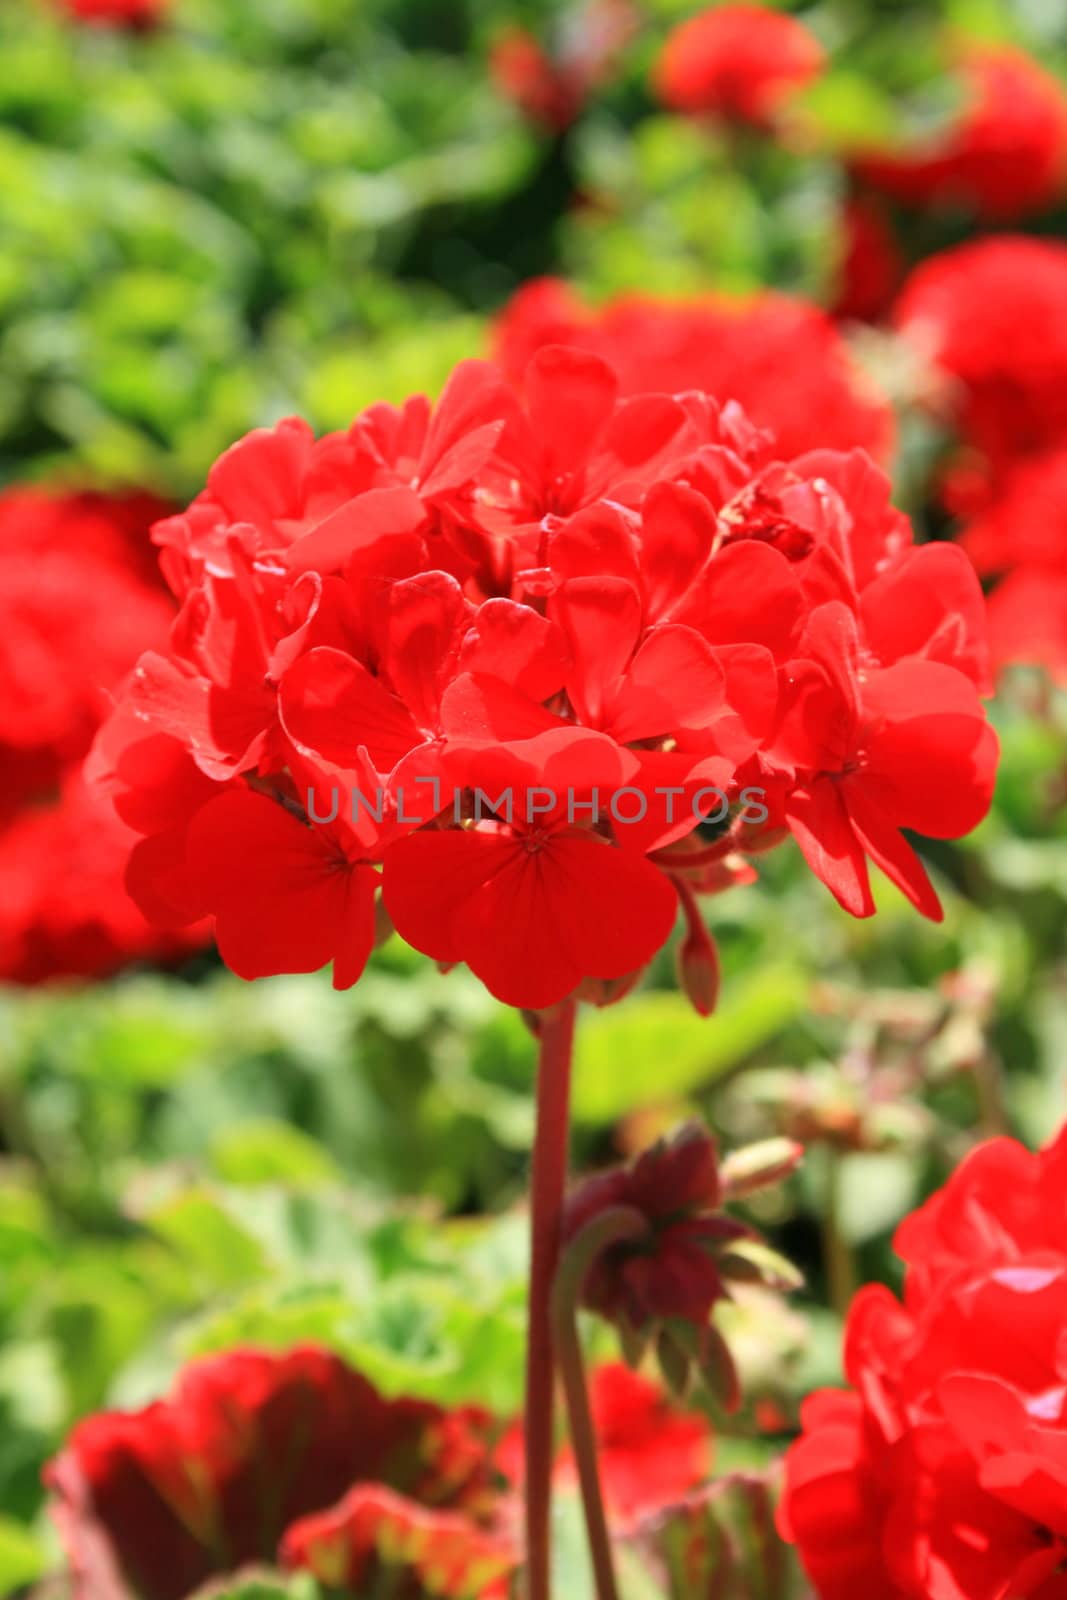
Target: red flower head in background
column 294, row 1459
column 1021, row 539
column 253, row 1449
column 991, row 315
column 741, row 62
column 1001, row 158
column 79, row 600
column 117, row 13
column 781, row 359
column 943, row 1470
column 515, row 660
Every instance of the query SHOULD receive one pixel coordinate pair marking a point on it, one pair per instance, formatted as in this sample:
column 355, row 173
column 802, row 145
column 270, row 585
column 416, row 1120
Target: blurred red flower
column 943, row 1470
column 295, row 1459
column 117, row 13
column 1003, row 156
column 737, row 61
column 1021, row 539
column 780, row 358
column 80, row 597
column 991, row 315
column 156, row 1502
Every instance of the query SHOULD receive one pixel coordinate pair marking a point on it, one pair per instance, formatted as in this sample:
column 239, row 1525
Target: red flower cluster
column 993, row 317
column 781, row 359
column 510, row 658
column 1003, row 157
column 1022, row 539
column 943, row 1471
column 741, row 62
column 250, row 1448
column 117, row 13
column 295, row 1459
column 79, row 600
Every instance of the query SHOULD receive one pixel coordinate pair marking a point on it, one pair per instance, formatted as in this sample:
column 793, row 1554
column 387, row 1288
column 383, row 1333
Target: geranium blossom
column 1021, row 539
column 737, row 61
column 991, row 315
column 779, row 357
column 1002, row 156
column 156, row 1502
column 294, row 1459
column 501, row 658
column 117, row 13
column 80, row 598
column 941, row 1471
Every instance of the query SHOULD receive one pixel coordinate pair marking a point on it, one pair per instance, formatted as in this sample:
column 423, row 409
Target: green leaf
column 655, row 1048
column 22, row 1557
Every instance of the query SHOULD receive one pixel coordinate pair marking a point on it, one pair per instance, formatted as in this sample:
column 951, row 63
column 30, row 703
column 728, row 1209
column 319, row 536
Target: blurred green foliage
column 307, row 206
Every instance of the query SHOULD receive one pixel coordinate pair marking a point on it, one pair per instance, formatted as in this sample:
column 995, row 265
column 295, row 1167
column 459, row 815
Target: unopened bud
column 758, row 1166
column 699, row 974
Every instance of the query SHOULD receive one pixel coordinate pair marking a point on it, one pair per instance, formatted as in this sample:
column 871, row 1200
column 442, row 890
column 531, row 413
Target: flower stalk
column 547, row 1185
column 609, row 1227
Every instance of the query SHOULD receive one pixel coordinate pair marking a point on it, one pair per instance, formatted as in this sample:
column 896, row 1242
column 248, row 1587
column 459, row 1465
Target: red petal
column 601, row 618
column 284, row 897
column 355, row 528
column 821, row 827
column 427, row 619
column 677, row 529
column 570, row 396
column 332, row 707
column 514, row 643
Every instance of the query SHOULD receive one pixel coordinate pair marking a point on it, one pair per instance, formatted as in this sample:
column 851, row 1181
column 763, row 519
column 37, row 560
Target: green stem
column 547, row 1184
column 609, row 1227
column 840, row 1267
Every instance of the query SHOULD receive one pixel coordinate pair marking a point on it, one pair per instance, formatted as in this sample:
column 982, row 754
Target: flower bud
column 759, row 1166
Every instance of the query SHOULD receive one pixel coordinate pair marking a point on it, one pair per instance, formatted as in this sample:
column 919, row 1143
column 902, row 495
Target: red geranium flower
column 737, row 61
column 990, row 315
column 117, row 13
column 944, row 1471
column 543, row 635
column 158, row 1501
column 1021, row 538
column 79, row 600
column 780, row 358
column 1002, row 157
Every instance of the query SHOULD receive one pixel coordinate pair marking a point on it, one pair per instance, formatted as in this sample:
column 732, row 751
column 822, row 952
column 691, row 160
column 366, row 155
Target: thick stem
column 547, row 1184
column 610, row 1227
